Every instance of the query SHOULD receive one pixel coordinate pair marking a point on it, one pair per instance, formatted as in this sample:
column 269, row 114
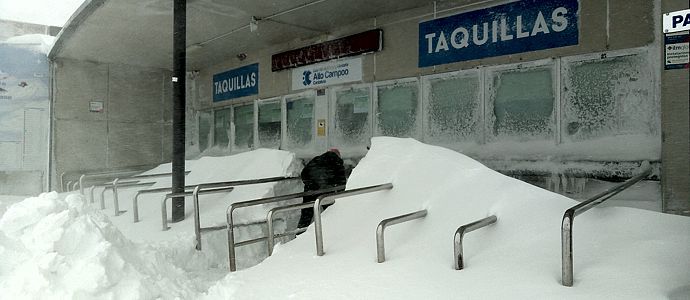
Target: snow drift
column 619, row 252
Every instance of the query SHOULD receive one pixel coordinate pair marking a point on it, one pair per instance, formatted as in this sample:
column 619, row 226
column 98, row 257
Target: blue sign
column 236, row 83
column 516, row 27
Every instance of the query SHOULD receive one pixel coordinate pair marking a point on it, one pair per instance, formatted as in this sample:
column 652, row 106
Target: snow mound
column 56, row 248
column 619, row 253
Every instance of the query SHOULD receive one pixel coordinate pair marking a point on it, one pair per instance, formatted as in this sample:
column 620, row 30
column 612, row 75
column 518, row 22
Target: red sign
column 364, row 42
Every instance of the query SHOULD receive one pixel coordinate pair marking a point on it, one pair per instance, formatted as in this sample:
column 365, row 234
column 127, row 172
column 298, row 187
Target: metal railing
column 569, row 218
column 83, row 177
column 164, row 208
column 135, row 200
column 230, row 223
column 113, row 186
column 380, row 229
column 271, row 216
column 331, row 198
column 460, row 233
column 197, row 221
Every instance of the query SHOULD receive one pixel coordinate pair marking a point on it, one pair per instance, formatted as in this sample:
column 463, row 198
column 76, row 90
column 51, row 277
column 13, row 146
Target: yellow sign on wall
column 321, row 127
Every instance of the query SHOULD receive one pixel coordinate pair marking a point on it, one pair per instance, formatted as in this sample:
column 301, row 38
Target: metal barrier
column 116, row 199
column 83, row 177
column 271, row 215
column 569, row 217
column 109, row 186
column 135, row 201
column 164, row 208
column 460, row 233
column 380, row 247
column 197, row 222
column 236, row 205
column 318, row 208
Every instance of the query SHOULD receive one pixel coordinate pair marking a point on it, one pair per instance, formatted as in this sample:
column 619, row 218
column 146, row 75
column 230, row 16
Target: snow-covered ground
column 55, row 246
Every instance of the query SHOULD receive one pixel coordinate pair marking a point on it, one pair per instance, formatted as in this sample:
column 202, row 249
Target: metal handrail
column 197, row 221
column 271, row 215
column 110, row 186
column 116, row 199
column 164, row 208
column 135, row 201
column 332, row 197
column 380, row 246
column 569, row 218
column 460, row 234
column 110, row 175
column 229, row 213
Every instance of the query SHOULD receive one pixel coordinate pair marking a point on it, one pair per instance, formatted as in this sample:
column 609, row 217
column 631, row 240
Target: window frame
column 417, row 132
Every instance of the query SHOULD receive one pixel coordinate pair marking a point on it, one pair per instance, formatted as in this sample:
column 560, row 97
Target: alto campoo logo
column 306, row 77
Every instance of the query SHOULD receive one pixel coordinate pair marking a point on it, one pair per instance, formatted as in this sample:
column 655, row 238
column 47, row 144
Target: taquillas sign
column 516, row 27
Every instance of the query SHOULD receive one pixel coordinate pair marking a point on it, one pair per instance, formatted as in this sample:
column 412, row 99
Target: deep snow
column 54, row 246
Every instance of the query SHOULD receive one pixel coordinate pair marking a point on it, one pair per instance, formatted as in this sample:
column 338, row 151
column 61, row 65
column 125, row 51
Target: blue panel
column 516, row 27
column 236, row 83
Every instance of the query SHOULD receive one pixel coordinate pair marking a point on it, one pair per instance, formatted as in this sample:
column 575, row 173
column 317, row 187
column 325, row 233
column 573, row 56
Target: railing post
column 62, row 182
column 231, row 239
column 270, row 242
column 135, row 207
column 81, row 184
column 380, row 229
column 164, row 213
column 91, row 201
column 567, row 248
column 197, row 222
column 69, row 183
column 116, row 202
column 103, row 197
column 317, row 225
column 460, row 234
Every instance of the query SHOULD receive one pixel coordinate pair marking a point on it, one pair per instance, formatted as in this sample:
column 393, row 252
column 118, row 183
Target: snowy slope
column 52, row 246
column 620, row 253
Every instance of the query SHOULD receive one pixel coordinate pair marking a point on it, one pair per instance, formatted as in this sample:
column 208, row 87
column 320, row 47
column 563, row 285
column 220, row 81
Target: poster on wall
column 236, row 83
column 677, row 51
column 516, row 27
column 328, row 73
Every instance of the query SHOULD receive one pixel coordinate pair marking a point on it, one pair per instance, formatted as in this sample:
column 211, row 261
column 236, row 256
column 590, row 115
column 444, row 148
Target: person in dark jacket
column 324, row 171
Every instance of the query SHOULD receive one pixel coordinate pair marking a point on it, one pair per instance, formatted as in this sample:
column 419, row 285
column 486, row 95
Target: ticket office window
column 221, row 127
column 397, row 108
column 609, row 96
column 453, row 108
column 351, row 116
column 521, row 104
column 269, row 123
column 204, row 129
column 299, row 121
column 243, row 120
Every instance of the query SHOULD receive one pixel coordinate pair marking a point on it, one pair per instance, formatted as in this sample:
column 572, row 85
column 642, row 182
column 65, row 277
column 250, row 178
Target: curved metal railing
column 460, row 233
column 230, row 223
column 380, row 229
column 569, row 217
column 326, row 198
column 271, row 216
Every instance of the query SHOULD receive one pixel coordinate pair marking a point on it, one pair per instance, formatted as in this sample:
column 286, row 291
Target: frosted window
column 608, row 97
column 300, row 120
column 397, row 109
column 204, row 130
column 221, row 131
column 352, row 117
column 269, row 124
column 523, row 104
column 454, row 110
column 244, row 126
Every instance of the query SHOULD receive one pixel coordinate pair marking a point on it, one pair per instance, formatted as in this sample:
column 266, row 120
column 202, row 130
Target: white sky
column 44, row 12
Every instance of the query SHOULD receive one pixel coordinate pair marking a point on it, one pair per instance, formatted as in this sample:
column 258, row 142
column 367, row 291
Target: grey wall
column 10, row 29
column 675, row 125
column 134, row 129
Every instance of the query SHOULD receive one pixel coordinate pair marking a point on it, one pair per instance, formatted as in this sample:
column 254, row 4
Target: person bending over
column 324, row 171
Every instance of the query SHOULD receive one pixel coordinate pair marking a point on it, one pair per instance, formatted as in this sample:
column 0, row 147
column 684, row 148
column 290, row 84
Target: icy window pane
column 454, row 110
column 269, row 124
column 608, row 97
column 204, row 130
column 300, row 117
column 352, row 117
column 523, row 104
column 244, row 126
column 397, row 109
column 221, row 131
